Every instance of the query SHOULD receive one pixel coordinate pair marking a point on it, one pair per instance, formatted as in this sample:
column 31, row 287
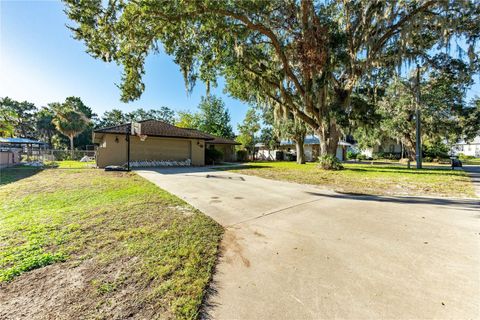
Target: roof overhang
column 101, row 134
column 233, row 143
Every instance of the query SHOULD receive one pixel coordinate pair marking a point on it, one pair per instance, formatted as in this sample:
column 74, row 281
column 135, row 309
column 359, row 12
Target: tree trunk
column 409, row 145
column 300, row 150
column 328, row 139
column 71, row 147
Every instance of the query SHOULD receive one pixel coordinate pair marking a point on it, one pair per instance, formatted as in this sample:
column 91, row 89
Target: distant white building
column 311, row 148
column 468, row 148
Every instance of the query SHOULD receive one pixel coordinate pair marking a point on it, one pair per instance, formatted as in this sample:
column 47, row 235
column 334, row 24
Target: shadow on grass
column 446, row 172
column 242, row 167
column 12, row 174
column 394, row 170
column 463, row 203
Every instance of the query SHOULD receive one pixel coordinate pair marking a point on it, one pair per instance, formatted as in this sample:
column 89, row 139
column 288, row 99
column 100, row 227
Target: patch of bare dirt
column 232, row 250
column 70, row 291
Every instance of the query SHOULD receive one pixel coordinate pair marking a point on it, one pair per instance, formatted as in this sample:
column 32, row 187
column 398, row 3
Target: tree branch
column 394, row 28
column 275, row 42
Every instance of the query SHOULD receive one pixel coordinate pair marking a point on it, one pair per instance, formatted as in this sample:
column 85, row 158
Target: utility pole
column 127, row 137
column 418, row 131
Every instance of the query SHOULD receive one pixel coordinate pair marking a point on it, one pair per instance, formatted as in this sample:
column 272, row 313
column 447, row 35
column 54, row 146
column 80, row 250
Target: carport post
column 129, row 129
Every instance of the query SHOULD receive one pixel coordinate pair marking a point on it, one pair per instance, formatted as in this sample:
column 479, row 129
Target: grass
column 8, row 175
column 475, row 161
column 368, row 178
column 70, row 164
column 133, row 237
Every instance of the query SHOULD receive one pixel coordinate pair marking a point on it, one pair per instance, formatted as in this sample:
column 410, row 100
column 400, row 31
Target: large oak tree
column 306, row 57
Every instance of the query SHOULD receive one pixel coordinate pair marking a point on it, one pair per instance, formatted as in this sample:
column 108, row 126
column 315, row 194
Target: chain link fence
column 66, row 155
column 39, row 157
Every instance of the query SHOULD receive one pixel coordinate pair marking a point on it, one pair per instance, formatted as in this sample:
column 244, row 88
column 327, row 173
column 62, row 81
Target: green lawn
column 367, row 178
column 142, row 252
column 70, row 164
column 475, row 161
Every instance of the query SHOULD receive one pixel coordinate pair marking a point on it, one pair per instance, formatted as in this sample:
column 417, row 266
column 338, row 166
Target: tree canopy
column 17, row 118
column 116, row 117
column 214, row 117
column 445, row 114
column 306, row 57
column 71, row 118
column 187, row 119
column 248, row 129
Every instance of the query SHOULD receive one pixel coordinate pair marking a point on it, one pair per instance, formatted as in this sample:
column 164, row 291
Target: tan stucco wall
column 198, row 152
column 153, row 148
column 8, row 158
column 5, row 158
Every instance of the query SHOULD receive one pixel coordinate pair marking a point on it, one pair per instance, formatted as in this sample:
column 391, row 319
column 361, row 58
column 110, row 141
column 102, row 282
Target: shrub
column 387, row 155
column 290, row 157
column 330, row 162
column 279, row 155
column 436, row 150
column 242, row 155
column 351, row 155
column 213, row 156
column 361, row 156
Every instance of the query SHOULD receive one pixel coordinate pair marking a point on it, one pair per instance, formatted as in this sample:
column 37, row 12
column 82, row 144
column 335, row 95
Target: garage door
column 160, row 149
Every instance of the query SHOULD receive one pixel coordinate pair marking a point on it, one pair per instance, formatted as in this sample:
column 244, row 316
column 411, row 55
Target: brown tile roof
column 220, row 140
column 158, row 128
column 216, row 139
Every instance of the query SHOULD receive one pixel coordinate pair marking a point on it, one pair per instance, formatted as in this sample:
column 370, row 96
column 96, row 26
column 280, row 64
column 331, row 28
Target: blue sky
column 41, row 62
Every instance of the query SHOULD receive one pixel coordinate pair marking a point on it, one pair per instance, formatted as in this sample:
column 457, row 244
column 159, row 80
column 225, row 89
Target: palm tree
column 69, row 121
column 44, row 124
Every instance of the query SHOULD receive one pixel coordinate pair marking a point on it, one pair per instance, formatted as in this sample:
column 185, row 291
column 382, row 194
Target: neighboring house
column 468, row 148
column 311, row 148
column 386, row 146
column 9, row 157
column 158, row 141
column 12, row 150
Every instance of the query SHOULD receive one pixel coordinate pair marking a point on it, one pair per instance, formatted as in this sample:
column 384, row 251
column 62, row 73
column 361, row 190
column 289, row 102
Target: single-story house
column 387, row 145
column 157, row 141
column 9, row 157
column 12, row 150
column 468, row 148
column 311, row 148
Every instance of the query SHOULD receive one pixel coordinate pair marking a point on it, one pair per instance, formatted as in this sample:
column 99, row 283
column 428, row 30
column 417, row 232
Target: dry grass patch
column 101, row 245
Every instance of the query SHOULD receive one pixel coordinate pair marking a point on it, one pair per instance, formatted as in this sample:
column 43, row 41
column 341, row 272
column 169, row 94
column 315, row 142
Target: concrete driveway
column 293, row 251
column 474, row 173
